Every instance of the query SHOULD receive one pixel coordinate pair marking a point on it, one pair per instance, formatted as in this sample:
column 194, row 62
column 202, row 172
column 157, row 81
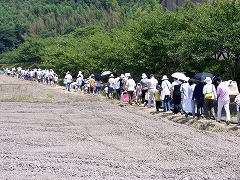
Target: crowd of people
column 183, row 96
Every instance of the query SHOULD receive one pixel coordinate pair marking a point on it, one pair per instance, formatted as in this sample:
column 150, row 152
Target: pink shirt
column 223, row 91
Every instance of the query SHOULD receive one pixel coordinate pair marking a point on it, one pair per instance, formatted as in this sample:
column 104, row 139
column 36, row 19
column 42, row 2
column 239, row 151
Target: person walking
column 157, row 97
column 176, row 95
column 68, row 79
column 130, row 85
column 210, row 95
column 223, row 99
column 186, row 97
column 166, row 85
column 92, row 84
column 198, row 97
column 237, row 102
column 144, row 85
column 111, row 82
column 152, row 84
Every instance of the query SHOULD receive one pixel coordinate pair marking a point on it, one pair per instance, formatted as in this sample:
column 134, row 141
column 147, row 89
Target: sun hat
column 144, row 75
column 68, row 72
column 208, row 80
column 111, row 75
column 122, row 76
column 164, row 77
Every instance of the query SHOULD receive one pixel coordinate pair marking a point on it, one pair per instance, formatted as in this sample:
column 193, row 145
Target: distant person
column 166, row 86
column 198, row 97
column 111, row 82
column 92, row 84
column 176, row 95
column 152, row 84
column 223, row 99
column 186, row 97
column 237, row 102
column 157, row 97
column 144, row 85
column 210, row 95
column 131, row 85
column 68, row 79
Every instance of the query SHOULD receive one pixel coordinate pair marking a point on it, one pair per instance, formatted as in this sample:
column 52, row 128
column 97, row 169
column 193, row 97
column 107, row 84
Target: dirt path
column 48, row 133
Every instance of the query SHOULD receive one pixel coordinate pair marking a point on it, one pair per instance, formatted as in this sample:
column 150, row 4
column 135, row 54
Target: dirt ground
column 49, row 133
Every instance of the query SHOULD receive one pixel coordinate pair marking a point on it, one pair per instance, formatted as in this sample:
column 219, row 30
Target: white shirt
column 166, row 85
column 152, row 83
column 131, row 85
column 68, row 78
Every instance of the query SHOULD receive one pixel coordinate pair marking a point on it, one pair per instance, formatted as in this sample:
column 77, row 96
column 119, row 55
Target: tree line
column 195, row 38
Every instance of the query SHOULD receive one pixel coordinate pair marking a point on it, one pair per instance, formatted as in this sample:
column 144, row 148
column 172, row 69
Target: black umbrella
column 202, row 75
column 98, row 76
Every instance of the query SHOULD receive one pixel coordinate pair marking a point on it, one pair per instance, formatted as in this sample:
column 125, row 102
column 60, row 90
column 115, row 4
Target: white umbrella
column 106, row 73
column 179, row 75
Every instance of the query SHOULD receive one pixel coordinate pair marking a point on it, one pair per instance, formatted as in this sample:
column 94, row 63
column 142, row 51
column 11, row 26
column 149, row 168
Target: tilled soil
column 48, row 133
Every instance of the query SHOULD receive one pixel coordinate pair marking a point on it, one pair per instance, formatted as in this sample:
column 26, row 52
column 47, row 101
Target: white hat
column 164, row 77
column 111, row 75
column 144, row 75
column 68, row 72
column 122, row 76
column 208, row 80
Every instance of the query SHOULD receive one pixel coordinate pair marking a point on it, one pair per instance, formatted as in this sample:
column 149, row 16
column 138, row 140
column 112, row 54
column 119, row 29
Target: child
column 237, row 101
column 106, row 91
column 157, row 97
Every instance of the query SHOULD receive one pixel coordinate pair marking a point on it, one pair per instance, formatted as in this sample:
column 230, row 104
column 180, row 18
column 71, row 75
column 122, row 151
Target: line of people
column 185, row 95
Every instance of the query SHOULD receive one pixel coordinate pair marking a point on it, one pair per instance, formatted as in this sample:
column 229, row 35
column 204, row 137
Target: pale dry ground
column 48, row 133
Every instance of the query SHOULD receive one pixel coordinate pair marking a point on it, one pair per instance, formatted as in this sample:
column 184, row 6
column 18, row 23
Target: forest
column 121, row 36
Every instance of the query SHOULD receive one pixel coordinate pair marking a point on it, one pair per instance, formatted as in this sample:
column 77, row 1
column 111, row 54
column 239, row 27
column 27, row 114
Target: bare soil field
column 49, row 133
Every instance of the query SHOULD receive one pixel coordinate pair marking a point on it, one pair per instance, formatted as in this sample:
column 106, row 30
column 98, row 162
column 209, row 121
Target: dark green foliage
column 124, row 36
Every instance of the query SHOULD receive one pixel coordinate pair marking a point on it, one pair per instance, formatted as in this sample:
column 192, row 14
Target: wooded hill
column 122, row 36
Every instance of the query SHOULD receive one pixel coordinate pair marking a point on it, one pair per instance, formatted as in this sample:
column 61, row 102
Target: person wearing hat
column 144, row 85
column 223, row 99
column 210, row 95
column 68, row 79
column 130, row 86
column 152, row 84
column 111, row 82
column 186, row 97
column 166, row 85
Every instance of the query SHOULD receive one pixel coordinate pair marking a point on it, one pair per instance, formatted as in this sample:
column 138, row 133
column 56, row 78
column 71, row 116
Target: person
column 144, row 85
column 111, row 82
column 157, row 97
column 116, row 87
column 198, row 97
column 166, row 85
column 176, row 95
column 223, row 99
column 68, row 79
column 192, row 83
column 152, row 84
column 237, row 102
column 80, row 82
column 98, row 86
column 106, row 91
column 186, row 97
column 92, row 84
column 130, row 85
column 210, row 95
column 138, row 94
